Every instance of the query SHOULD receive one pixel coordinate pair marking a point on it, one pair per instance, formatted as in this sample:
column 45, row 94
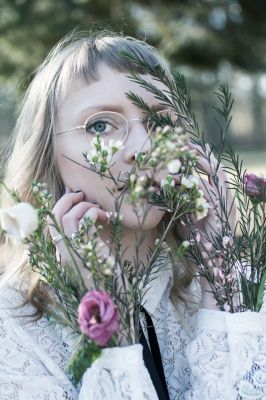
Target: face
column 82, row 101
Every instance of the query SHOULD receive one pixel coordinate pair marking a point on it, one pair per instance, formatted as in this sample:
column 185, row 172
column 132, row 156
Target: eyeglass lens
column 111, row 125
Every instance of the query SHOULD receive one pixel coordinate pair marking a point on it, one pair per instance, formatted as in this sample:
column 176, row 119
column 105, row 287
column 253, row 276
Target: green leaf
column 83, row 358
column 261, row 292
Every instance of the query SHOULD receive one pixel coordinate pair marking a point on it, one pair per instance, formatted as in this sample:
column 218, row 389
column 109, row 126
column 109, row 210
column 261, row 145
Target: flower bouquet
column 97, row 294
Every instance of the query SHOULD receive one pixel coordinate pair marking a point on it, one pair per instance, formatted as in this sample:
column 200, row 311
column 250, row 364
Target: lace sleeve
column 119, row 374
column 33, row 358
column 228, row 356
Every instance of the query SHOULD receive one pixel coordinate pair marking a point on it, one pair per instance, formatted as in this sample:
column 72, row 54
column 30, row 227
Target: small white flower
column 194, row 180
column 227, row 308
column 19, row 221
column 132, row 178
column 208, row 246
column 226, row 240
column 91, row 154
column 179, row 130
column 115, row 145
column 170, row 145
column 189, row 182
column 186, row 244
column 97, row 141
column 174, row 166
column 186, row 182
column 142, row 179
column 165, row 182
column 202, row 206
column 138, row 189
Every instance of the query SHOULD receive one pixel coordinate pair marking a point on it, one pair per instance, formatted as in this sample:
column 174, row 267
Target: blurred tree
column 197, row 33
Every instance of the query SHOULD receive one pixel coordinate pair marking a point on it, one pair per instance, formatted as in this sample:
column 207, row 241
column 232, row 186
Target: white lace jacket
column 211, row 355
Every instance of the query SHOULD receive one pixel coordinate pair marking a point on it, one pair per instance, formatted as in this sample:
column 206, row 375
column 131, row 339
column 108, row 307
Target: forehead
column 109, row 90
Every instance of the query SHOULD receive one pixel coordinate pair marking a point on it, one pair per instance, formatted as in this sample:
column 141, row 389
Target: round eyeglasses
column 112, row 125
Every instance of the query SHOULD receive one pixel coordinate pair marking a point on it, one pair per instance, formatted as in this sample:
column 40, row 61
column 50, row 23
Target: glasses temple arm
column 70, row 130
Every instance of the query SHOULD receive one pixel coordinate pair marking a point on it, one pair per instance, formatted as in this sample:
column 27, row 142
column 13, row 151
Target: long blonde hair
column 31, row 152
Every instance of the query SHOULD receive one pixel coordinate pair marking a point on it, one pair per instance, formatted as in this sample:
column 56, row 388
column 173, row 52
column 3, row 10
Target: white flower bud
column 189, row 182
column 185, row 244
column 226, row 240
column 132, row 178
column 186, row 182
column 174, row 166
column 164, row 183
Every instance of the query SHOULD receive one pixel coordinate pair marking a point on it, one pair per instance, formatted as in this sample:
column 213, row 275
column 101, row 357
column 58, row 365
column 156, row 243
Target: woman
column 206, row 353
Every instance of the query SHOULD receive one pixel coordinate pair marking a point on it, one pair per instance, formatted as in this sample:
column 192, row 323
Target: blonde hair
column 31, row 154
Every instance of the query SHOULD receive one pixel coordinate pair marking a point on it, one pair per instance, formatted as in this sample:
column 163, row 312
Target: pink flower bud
column 208, row 246
column 255, row 186
column 227, row 308
column 198, row 237
column 226, row 240
column 98, row 316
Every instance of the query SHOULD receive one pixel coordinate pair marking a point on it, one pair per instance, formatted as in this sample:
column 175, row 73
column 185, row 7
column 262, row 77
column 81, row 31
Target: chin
column 153, row 216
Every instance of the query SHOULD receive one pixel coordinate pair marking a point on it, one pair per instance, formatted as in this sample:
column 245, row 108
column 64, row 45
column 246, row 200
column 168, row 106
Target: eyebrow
column 117, row 108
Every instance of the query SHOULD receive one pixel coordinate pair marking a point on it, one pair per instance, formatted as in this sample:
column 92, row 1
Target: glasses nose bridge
column 141, row 120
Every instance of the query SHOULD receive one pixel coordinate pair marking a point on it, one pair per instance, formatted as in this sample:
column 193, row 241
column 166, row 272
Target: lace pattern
column 229, row 363
column 206, row 355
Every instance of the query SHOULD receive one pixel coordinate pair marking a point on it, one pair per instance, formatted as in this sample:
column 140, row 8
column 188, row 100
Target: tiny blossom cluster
column 190, row 182
column 163, row 245
column 202, row 206
column 170, row 147
column 215, row 267
column 90, row 248
column 100, row 154
column 41, row 194
column 168, row 183
column 139, row 187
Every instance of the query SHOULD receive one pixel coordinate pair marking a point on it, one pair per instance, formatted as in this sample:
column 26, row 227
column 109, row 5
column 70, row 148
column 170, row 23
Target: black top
column 152, row 358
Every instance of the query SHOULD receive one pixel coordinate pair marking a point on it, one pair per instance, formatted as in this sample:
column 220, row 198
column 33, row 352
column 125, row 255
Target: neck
column 136, row 245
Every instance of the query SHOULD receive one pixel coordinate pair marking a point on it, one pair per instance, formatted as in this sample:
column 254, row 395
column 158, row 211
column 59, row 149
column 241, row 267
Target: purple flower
column 255, row 186
column 98, row 316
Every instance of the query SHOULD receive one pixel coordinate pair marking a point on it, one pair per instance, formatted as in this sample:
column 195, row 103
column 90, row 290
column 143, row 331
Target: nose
column 138, row 140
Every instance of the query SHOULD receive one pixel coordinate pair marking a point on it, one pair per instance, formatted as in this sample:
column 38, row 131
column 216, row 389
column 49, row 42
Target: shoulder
column 22, row 338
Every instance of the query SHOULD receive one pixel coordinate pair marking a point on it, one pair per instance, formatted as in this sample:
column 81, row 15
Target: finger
column 70, row 221
column 97, row 215
column 208, row 164
column 65, row 203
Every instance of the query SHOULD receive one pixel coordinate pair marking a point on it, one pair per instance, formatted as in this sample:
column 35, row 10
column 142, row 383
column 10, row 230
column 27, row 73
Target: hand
column 69, row 211
column 213, row 194
column 218, row 195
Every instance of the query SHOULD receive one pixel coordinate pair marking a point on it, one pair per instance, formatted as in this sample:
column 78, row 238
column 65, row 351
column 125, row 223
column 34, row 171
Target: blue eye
column 99, row 126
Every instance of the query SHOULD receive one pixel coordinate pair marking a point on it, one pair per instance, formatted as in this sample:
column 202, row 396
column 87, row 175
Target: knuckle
column 66, row 219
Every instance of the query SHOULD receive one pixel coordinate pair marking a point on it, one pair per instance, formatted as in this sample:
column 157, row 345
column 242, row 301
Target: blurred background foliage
column 210, row 41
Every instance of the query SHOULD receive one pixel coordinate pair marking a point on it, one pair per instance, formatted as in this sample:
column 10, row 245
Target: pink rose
column 98, row 316
column 255, row 186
